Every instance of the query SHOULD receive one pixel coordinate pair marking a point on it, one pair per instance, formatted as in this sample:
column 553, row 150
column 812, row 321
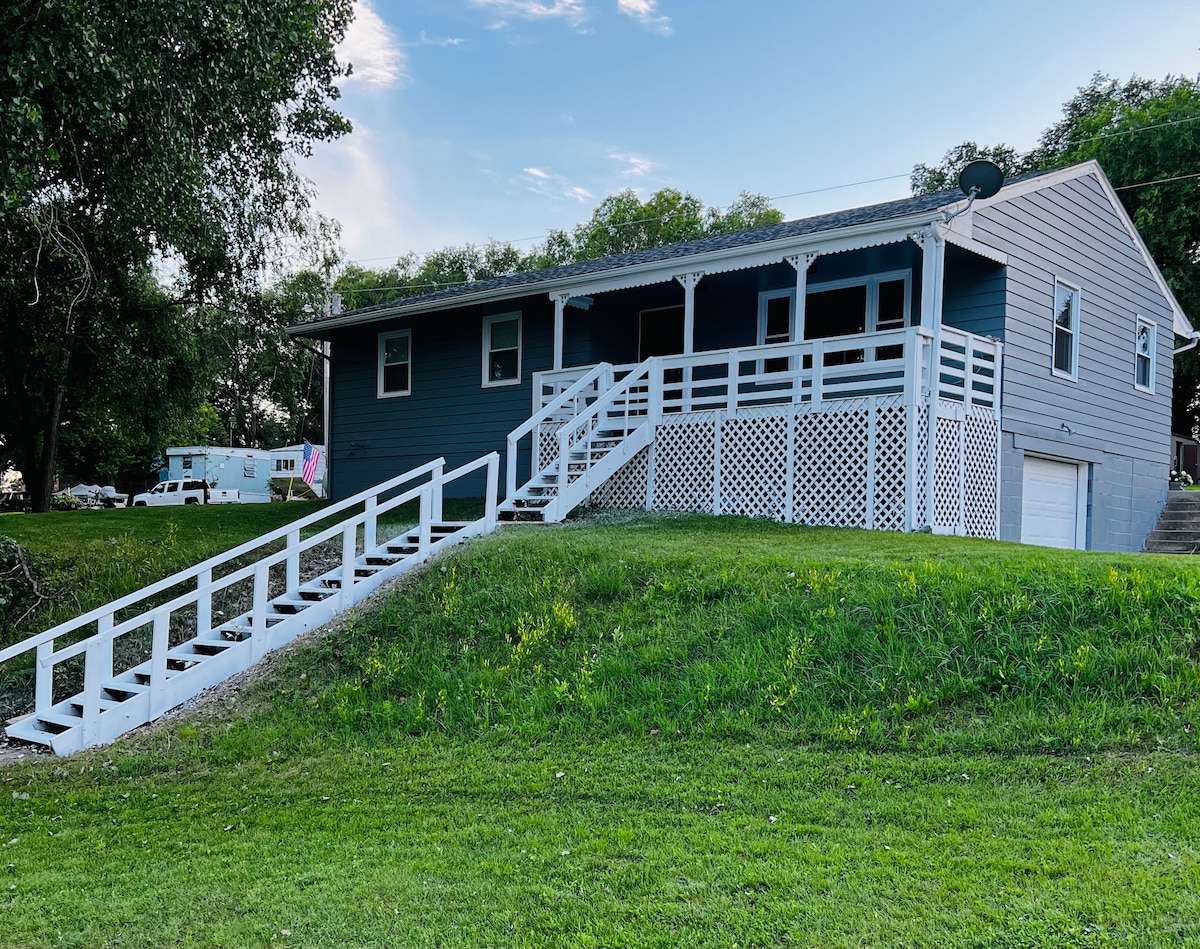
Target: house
column 247, row 470
column 1000, row 368
column 287, row 466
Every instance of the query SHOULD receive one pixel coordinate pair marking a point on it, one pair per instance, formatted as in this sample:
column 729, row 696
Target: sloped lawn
column 663, row 731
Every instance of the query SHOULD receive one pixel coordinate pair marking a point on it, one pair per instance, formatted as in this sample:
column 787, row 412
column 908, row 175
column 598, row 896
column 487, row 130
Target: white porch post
column 800, row 263
column 560, row 304
column 689, row 282
column 933, row 265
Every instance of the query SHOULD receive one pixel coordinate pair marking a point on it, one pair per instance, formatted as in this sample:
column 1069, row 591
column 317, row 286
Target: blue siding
column 449, row 411
column 973, row 294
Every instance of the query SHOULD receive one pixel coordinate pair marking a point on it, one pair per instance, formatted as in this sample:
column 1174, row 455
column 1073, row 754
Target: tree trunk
column 43, row 485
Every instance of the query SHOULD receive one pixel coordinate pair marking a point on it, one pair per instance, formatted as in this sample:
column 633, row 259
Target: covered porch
column 853, row 403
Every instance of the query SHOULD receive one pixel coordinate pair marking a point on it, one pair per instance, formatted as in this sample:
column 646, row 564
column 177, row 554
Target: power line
column 1160, row 181
column 458, row 283
column 1112, row 133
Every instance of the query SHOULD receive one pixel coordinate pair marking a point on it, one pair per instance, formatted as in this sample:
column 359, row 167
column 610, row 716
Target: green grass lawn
column 662, row 731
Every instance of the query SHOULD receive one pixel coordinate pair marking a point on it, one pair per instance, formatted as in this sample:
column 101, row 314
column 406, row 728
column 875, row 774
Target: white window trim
column 764, row 297
column 871, row 282
column 487, row 335
column 383, row 339
column 1139, row 322
column 1073, row 375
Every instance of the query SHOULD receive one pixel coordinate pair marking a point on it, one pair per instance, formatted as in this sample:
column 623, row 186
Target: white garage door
column 1050, row 504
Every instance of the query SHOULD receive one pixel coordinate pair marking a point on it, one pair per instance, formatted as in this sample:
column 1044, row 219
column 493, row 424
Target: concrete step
column 1171, row 547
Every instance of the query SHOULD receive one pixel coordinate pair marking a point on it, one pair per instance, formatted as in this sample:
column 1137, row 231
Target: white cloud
column 635, row 165
column 646, row 13
column 372, row 50
column 573, row 11
column 445, row 41
column 543, row 182
column 357, row 186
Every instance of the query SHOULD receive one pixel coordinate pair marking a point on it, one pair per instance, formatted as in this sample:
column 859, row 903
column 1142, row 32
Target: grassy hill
column 664, row 731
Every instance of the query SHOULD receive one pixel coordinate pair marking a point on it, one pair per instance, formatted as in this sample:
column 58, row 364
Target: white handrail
column 192, row 573
column 549, row 409
column 250, row 570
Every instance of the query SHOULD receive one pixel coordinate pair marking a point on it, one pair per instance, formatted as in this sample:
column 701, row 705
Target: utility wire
column 1112, row 133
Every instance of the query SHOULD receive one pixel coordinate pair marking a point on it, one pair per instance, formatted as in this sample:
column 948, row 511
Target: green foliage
column 19, row 575
column 928, row 179
column 131, row 134
column 621, row 223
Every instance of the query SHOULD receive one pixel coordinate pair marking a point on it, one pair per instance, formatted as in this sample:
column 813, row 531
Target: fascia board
column 660, row 271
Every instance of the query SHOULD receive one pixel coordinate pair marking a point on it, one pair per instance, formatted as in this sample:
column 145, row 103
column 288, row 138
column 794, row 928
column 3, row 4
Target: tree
column 927, row 179
column 1146, row 136
column 620, row 223
column 147, row 130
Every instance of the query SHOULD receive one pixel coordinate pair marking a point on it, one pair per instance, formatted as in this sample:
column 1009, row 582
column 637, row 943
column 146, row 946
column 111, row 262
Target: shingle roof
column 871, row 214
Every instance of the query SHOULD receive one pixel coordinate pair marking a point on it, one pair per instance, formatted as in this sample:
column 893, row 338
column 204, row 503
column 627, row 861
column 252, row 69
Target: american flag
column 311, row 457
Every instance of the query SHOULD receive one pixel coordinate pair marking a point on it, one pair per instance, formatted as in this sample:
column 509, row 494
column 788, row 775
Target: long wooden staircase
column 152, row 650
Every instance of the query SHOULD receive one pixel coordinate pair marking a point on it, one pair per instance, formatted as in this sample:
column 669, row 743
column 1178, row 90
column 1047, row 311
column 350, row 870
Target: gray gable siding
column 1072, row 232
column 449, row 411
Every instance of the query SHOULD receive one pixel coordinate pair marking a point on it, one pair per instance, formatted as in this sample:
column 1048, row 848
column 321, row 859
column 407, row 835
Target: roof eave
column 667, row 268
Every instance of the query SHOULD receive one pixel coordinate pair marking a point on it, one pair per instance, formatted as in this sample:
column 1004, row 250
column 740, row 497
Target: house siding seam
column 1072, row 232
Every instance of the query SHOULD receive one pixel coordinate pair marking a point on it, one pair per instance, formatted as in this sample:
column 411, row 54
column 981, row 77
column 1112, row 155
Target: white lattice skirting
column 841, row 464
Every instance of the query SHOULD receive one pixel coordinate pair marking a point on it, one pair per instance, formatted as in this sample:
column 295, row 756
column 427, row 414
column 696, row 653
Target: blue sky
column 500, row 119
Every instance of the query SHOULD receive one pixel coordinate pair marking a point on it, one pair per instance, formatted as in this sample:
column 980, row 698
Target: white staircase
column 184, row 652
column 604, row 423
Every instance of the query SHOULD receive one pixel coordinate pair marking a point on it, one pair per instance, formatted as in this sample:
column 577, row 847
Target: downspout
column 1195, row 338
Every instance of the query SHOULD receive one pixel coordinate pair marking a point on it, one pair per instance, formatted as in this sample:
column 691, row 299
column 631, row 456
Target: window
column 250, row 468
column 1143, row 356
column 502, row 349
column 660, row 332
column 187, row 465
column 285, row 464
column 1066, row 330
column 861, row 305
column 395, row 364
column 776, row 324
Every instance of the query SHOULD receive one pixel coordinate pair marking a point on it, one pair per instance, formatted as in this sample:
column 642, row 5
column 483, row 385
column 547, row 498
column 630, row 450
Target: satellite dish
column 980, row 179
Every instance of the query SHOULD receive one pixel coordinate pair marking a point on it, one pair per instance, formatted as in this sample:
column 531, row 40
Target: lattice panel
column 981, row 443
column 831, row 467
column 754, row 465
column 948, row 484
column 922, row 515
column 626, row 487
column 547, row 443
column 683, row 464
column 891, row 435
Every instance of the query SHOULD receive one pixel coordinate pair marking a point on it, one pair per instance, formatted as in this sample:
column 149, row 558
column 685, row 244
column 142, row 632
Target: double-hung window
column 502, row 349
column 1145, row 339
column 395, row 364
column 1066, row 330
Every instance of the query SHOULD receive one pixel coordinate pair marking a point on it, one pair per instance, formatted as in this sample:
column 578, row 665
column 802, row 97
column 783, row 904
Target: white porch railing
column 894, row 362
column 234, row 645
column 929, row 430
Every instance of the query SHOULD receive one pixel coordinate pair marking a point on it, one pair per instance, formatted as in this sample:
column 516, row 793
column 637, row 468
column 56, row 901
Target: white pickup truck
column 185, row 491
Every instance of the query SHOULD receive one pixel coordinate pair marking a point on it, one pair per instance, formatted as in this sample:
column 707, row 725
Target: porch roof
column 581, row 276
